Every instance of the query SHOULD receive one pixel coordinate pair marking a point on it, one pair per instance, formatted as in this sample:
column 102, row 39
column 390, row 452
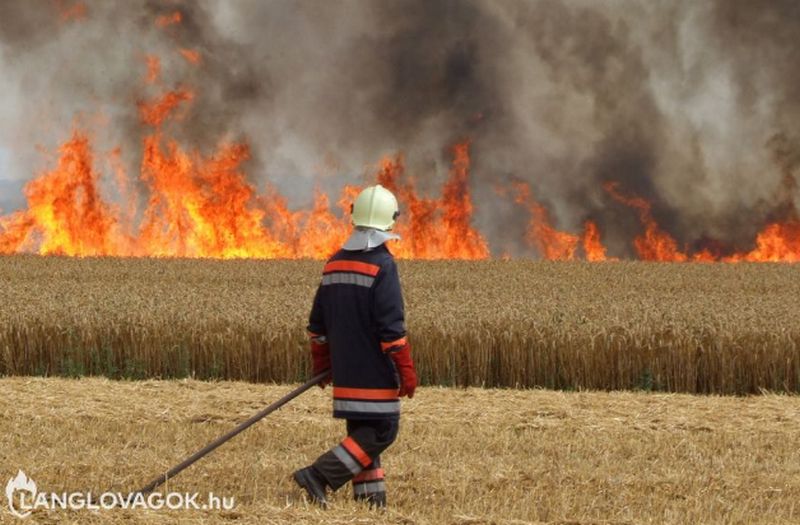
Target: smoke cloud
column 692, row 105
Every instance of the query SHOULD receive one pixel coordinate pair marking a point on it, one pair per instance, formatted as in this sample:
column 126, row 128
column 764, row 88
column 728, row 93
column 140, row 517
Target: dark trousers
column 357, row 457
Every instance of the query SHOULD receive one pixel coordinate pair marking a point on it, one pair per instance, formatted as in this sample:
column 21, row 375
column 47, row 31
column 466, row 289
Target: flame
column 417, row 225
column 460, row 239
column 153, row 69
column 201, row 204
column 551, row 244
column 323, row 233
column 777, row 242
column 155, row 112
column 169, row 19
column 654, row 244
column 191, row 55
column 65, row 211
column 71, row 12
column 435, row 228
column 200, row 207
column 14, row 232
column 593, row 249
column 705, row 255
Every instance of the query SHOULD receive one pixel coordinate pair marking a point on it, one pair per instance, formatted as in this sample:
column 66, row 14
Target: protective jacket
column 358, row 307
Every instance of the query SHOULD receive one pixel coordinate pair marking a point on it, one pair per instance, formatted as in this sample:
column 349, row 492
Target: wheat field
column 695, row 328
column 463, row 456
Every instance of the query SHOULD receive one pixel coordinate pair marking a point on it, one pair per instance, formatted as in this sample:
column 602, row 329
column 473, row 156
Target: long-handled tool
column 171, row 473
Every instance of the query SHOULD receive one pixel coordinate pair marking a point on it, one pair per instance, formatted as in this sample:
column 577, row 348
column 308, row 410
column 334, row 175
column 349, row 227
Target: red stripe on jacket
column 352, row 266
column 369, row 394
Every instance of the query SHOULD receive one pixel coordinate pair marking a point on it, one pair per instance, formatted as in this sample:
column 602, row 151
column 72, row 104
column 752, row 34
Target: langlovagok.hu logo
column 24, row 498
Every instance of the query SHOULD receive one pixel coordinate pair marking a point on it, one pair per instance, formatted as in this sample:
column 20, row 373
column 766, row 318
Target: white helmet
column 375, row 207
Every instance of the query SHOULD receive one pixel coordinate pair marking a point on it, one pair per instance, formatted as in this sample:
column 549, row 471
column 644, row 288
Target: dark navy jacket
column 359, row 308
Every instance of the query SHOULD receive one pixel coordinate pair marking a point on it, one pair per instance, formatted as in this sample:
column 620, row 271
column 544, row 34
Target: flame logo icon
column 19, row 483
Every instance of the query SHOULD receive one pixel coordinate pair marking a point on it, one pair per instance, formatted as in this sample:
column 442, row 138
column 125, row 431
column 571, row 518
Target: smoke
column 692, row 105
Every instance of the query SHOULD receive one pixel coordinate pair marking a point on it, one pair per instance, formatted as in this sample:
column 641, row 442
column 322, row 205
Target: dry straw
column 463, row 456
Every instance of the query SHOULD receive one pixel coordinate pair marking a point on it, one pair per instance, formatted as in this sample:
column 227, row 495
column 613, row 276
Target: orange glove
column 320, row 357
column 401, row 355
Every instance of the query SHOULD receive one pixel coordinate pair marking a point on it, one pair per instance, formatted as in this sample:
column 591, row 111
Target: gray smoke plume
column 693, row 105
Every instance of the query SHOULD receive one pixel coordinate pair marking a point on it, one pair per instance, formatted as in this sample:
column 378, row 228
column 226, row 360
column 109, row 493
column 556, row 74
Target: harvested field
column 464, row 456
column 701, row 328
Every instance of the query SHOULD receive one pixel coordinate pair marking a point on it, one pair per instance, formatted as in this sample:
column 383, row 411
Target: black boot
column 313, row 484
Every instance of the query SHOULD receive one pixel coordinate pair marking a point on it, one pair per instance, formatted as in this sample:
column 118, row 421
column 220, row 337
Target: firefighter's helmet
column 375, row 207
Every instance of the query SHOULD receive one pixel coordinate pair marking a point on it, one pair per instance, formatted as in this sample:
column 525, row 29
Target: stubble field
column 464, row 456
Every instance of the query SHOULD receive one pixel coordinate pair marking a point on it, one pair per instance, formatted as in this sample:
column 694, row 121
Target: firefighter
column 357, row 330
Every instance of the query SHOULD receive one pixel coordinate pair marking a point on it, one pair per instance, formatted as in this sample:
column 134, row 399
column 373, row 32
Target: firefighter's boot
column 313, row 484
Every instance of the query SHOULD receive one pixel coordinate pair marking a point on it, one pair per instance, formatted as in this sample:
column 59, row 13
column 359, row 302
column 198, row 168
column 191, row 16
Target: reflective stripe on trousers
column 369, row 488
column 369, row 482
column 347, row 460
column 358, row 454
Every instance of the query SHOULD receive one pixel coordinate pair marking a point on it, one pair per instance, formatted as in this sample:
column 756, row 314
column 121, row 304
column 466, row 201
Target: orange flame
column 654, row 244
column 592, row 247
column 201, row 205
column 14, row 232
column 551, row 244
column 435, row 228
column 191, row 55
column 73, row 12
column 169, row 19
column 65, row 210
column 777, row 242
column 153, row 69
column 156, row 111
column 461, row 240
